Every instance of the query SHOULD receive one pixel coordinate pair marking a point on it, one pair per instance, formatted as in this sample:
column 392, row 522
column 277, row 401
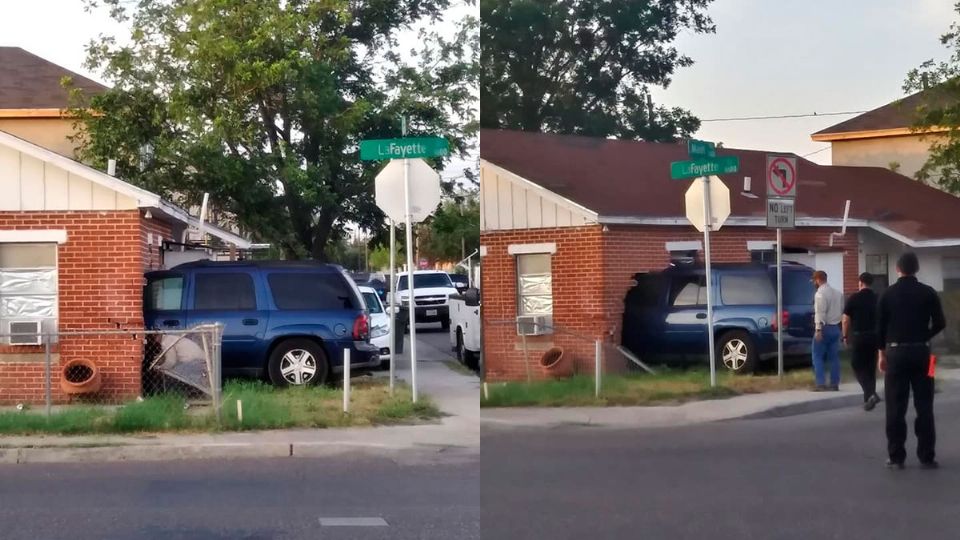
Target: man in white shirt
column 828, row 312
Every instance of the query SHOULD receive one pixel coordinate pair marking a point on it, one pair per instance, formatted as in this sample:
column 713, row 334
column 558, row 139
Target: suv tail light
column 361, row 328
column 784, row 320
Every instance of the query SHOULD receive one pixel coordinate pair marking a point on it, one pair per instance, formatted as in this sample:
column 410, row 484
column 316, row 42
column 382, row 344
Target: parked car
column 290, row 321
column 379, row 324
column 460, row 281
column 433, row 289
column 465, row 327
column 665, row 314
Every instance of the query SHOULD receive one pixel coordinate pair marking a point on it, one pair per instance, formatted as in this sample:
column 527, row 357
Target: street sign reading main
column 680, row 170
column 421, row 147
column 701, row 149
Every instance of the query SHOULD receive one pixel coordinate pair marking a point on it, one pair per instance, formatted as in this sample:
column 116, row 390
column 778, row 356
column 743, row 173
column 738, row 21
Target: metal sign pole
column 393, row 302
column 780, row 303
column 410, row 281
column 707, row 224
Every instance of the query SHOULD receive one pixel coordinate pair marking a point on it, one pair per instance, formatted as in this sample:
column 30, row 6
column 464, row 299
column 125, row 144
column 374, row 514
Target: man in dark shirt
column 910, row 316
column 860, row 334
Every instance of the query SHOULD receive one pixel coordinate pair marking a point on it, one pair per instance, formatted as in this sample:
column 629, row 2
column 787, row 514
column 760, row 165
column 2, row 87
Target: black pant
column 864, row 361
column 907, row 367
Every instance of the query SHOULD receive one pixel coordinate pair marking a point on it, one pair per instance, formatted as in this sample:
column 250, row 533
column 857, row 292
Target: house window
column 28, row 285
column 879, row 267
column 534, row 284
column 951, row 273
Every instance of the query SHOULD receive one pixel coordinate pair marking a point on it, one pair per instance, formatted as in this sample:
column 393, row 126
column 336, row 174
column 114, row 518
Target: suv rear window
column 797, row 288
column 313, row 291
column 747, row 290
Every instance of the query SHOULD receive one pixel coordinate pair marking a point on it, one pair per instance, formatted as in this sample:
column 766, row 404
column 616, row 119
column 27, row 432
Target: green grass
column 264, row 407
column 667, row 386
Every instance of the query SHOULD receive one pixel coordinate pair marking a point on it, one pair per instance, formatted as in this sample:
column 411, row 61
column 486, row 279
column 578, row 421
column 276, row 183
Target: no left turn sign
column 782, row 177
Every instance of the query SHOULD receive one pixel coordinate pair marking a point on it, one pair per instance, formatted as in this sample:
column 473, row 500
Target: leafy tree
column 939, row 110
column 585, row 66
column 454, row 227
column 263, row 103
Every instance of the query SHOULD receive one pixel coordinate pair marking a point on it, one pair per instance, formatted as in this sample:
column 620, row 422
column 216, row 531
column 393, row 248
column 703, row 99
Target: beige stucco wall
column 910, row 151
column 50, row 133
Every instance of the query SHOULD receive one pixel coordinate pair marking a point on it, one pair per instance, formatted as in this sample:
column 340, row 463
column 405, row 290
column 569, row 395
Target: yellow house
column 882, row 138
column 33, row 102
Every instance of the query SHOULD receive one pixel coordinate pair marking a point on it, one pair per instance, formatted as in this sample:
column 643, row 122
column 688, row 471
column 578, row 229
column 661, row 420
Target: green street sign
column 680, row 170
column 420, row 147
column 701, row 149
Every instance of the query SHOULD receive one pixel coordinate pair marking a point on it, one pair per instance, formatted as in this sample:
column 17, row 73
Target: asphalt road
column 804, row 477
column 239, row 500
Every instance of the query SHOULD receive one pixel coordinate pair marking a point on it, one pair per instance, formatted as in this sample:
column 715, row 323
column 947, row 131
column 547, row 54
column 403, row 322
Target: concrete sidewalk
column 454, row 437
column 770, row 404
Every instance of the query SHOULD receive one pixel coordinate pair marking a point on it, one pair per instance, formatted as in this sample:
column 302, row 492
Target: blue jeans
column 827, row 350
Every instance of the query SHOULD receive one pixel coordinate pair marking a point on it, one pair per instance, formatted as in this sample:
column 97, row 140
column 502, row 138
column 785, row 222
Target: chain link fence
column 110, row 367
column 547, row 350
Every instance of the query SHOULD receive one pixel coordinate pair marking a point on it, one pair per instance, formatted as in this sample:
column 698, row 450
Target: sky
column 766, row 58
column 791, row 57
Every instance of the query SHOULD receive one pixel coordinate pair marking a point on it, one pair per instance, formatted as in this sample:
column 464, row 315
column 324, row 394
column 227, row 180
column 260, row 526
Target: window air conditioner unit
column 533, row 325
column 25, row 333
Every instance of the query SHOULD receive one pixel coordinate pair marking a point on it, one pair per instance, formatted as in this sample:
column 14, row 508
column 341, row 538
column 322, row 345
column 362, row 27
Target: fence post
column 598, row 354
column 526, row 356
column 48, row 398
column 346, row 380
column 216, row 385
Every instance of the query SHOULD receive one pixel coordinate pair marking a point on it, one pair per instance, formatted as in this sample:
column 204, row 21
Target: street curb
column 146, row 453
column 807, row 407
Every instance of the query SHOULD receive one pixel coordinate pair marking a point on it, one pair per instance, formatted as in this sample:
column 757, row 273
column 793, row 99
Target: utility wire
column 742, row 118
column 817, row 151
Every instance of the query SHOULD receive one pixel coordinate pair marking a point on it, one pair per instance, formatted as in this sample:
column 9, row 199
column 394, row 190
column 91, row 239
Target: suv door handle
column 171, row 323
column 701, row 315
column 250, row 322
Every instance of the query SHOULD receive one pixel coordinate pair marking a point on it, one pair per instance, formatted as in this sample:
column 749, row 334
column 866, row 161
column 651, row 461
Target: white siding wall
column 509, row 202
column 931, row 259
column 27, row 183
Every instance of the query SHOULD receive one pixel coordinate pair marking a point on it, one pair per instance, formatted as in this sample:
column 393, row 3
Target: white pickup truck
column 465, row 327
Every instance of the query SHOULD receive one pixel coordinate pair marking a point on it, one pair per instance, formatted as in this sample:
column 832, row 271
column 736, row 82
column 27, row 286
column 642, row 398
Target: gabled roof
column 28, row 82
column 892, row 119
column 629, row 182
column 144, row 198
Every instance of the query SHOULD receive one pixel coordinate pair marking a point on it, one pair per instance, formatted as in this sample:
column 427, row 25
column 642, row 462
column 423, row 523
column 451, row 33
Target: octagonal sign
column 424, row 190
column 719, row 203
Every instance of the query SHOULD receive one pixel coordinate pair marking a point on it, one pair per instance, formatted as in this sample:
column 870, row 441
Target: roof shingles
column 30, row 82
column 631, row 179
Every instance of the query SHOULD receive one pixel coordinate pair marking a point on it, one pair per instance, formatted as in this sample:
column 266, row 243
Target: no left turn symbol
column 781, row 176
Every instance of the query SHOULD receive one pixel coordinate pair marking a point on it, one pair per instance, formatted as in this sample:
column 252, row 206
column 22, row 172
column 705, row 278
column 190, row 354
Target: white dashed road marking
column 352, row 522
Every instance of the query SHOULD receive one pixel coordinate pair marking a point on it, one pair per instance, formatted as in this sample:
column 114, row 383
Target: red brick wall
column 100, row 287
column 592, row 271
column 153, row 254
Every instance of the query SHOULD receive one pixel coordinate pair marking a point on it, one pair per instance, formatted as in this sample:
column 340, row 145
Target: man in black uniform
column 910, row 315
column 860, row 333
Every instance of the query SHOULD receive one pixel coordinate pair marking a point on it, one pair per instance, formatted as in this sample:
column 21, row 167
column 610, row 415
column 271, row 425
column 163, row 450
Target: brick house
column 567, row 221
column 74, row 245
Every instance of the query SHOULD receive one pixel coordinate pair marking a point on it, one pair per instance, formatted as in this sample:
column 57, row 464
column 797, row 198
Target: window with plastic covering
column 28, row 287
column 534, row 284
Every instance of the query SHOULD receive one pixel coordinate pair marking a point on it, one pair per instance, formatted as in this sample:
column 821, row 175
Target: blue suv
column 290, row 321
column 665, row 314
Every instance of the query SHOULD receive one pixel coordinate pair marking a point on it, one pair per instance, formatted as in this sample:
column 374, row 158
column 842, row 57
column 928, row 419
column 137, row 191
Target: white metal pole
column 393, row 301
column 780, row 318
column 410, row 267
column 707, row 225
column 346, row 380
column 598, row 352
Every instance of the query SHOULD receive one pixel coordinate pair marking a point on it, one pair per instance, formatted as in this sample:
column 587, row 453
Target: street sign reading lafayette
column 419, row 147
column 680, row 170
column 781, row 213
column 701, row 149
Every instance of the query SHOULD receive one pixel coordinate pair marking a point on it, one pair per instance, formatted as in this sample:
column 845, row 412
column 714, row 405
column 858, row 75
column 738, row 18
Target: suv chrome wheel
column 735, row 354
column 298, row 366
